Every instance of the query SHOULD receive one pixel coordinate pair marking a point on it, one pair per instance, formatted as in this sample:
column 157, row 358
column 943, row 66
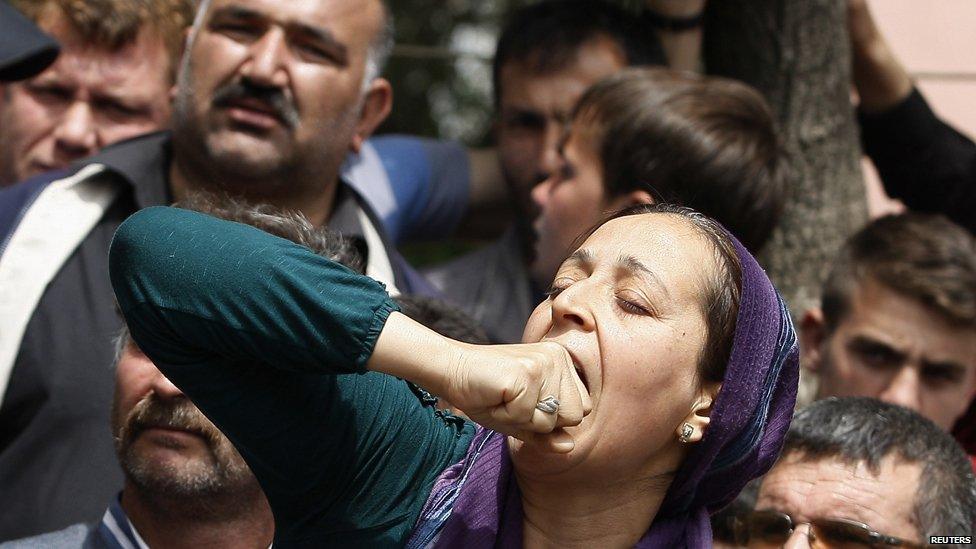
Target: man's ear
column 693, row 427
column 376, row 107
column 813, row 333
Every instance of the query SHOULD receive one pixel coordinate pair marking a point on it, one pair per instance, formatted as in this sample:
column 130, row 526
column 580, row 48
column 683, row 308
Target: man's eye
column 237, row 31
column 118, row 110
column 311, row 52
column 567, row 172
column 879, row 357
column 526, row 121
column 941, row 374
column 51, row 93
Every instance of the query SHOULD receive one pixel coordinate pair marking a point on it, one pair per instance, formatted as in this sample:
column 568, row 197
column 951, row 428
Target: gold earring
column 686, row 431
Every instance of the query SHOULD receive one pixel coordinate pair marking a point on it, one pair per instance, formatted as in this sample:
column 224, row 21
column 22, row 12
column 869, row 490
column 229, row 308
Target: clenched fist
column 497, row 386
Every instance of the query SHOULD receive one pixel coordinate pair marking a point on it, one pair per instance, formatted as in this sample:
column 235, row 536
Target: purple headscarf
column 476, row 502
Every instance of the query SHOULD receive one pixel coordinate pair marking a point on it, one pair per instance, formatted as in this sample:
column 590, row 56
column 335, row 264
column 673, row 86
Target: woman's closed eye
column 633, row 303
column 557, row 287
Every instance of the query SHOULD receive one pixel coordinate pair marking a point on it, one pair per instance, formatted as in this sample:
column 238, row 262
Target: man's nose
column 799, row 539
column 549, row 158
column 540, row 193
column 266, row 63
column 76, row 135
column 903, row 389
column 164, row 388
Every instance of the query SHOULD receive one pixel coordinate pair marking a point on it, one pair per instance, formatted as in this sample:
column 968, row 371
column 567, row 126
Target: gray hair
column 285, row 224
column 120, row 341
column 863, row 430
column 376, row 57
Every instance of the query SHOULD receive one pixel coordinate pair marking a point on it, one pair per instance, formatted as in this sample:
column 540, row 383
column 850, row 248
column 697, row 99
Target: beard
column 222, row 472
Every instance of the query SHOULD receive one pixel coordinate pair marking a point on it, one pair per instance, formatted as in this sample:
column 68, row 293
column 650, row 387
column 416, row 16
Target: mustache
column 280, row 105
column 178, row 414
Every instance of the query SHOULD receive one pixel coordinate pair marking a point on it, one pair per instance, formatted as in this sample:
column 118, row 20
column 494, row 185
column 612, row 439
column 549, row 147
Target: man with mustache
column 110, row 82
column 270, row 98
column 185, row 483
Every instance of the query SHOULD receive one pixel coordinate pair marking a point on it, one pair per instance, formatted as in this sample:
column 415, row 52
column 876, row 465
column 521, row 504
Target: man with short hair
column 185, row 483
column 898, row 318
column 24, row 49
column 270, row 97
column 547, row 55
column 111, row 82
column 857, row 471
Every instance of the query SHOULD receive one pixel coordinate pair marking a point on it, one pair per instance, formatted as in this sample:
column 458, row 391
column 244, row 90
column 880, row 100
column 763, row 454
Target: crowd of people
column 209, row 337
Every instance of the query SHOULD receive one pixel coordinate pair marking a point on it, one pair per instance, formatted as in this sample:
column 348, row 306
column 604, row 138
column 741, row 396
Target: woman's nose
column 571, row 310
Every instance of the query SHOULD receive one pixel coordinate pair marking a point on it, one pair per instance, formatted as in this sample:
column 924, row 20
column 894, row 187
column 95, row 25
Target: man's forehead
column 828, row 488
column 589, row 63
column 906, row 324
column 336, row 16
column 132, row 69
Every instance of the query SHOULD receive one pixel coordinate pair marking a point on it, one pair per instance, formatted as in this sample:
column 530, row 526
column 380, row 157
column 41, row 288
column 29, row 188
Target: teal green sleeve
column 270, row 341
column 312, row 314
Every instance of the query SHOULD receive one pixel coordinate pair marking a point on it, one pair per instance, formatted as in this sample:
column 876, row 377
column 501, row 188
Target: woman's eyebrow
column 635, row 266
column 581, row 257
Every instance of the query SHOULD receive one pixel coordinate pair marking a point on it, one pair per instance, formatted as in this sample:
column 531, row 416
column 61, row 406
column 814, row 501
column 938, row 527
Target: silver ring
column 548, row 405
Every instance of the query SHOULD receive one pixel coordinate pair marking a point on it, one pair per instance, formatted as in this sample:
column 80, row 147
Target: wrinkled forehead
column 354, row 22
column 828, row 488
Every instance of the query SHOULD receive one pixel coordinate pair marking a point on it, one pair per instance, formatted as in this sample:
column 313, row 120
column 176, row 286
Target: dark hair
column 289, row 225
column 546, row 36
column 704, row 142
column 111, row 24
column 443, row 318
column 858, row 430
column 922, row 256
column 720, row 304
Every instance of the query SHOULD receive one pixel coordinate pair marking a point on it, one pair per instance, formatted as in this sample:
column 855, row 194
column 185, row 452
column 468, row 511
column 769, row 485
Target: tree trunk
column 797, row 53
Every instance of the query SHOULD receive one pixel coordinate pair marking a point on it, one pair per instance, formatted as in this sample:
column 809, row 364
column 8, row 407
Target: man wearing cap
column 111, row 82
column 24, row 49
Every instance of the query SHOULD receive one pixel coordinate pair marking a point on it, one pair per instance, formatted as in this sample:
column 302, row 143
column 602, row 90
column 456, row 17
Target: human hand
column 878, row 76
column 499, row 386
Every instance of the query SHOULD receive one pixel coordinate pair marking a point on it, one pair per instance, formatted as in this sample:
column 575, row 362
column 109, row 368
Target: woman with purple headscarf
column 658, row 378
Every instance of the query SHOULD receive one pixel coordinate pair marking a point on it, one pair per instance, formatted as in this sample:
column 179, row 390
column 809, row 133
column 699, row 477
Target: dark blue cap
column 24, row 49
